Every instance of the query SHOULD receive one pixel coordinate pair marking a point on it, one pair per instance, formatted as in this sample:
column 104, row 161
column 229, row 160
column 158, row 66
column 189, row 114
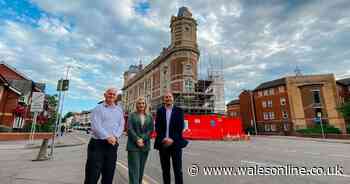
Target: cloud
column 253, row 41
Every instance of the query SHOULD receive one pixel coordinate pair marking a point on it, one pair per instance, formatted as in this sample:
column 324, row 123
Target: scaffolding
column 207, row 96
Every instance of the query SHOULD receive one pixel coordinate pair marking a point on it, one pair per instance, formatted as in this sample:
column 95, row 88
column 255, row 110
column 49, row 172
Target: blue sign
column 212, row 123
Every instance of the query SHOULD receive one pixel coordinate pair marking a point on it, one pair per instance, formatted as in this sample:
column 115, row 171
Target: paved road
column 260, row 151
column 68, row 165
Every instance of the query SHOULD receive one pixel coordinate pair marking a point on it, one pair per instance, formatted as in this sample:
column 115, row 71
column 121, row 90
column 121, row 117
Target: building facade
column 83, row 119
column 291, row 103
column 9, row 97
column 233, row 109
column 175, row 70
column 25, row 87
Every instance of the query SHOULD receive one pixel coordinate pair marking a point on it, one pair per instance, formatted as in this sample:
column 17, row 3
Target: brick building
column 25, row 87
column 291, row 103
column 343, row 87
column 9, row 97
column 233, row 109
column 175, row 69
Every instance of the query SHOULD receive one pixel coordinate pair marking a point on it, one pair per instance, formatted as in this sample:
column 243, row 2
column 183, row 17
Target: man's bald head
column 112, row 90
column 168, row 98
column 110, row 96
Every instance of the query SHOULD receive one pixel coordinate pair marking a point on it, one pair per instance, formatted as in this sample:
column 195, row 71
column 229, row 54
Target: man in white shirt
column 107, row 125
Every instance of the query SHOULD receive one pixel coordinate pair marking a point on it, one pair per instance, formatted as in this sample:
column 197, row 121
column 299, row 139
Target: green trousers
column 136, row 163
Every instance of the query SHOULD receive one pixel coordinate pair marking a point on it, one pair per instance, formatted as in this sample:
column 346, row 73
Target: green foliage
column 317, row 130
column 39, row 128
column 67, row 115
column 345, row 110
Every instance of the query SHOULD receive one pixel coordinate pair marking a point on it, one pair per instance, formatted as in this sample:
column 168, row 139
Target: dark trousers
column 136, row 163
column 101, row 160
column 176, row 156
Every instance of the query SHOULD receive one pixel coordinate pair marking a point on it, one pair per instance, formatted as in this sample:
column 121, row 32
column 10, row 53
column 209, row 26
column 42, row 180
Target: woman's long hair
column 141, row 98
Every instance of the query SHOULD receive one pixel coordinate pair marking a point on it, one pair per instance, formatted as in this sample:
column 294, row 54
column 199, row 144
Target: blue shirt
column 169, row 110
column 107, row 121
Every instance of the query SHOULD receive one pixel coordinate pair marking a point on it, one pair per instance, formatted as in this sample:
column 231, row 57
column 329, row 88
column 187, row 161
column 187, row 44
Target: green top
column 137, row 131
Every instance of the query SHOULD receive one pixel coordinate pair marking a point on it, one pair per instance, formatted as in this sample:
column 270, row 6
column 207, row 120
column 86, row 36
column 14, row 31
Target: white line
column 191, row 153
column 123, row 165
column 259, row 163
column 81, row 139
column 338, row 155
column 312, row 153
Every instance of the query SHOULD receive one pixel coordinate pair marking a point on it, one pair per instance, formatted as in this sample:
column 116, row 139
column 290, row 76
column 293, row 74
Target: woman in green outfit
column 140, row 126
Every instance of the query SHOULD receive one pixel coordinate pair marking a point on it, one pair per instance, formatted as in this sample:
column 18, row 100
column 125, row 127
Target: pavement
column 67, row 166
column 60, row 141
column 343, row 141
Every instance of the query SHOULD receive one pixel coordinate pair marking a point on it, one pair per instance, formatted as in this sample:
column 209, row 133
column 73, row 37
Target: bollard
column 42, row 155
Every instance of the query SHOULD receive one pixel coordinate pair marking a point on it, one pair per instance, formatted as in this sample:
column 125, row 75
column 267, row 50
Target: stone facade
column 174, row 69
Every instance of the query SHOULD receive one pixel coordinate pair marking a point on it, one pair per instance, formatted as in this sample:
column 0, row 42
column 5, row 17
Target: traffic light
column 63, row 85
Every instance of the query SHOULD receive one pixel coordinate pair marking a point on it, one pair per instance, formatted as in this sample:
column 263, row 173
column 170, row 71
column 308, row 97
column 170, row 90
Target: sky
column 253, row 41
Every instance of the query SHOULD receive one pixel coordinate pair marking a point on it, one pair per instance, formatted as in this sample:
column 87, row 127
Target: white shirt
column 142, row 117
column 107, row 121
column 168, row 117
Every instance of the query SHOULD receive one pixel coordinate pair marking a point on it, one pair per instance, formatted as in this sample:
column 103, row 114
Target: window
column 268, row 127
column 273, row 127
column 264, row 104
column 271, row 91
column 269, row 103
column 271, row 115
column 266, row 116
column 188, row 67
column 260, row 93
column 266, row 92
column 283, row 101
column 284, row 115
column 188, row 85
column 281, row 89
column 316, row 96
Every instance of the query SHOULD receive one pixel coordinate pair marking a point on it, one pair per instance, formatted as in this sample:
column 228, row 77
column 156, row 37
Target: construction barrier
column 212, row 127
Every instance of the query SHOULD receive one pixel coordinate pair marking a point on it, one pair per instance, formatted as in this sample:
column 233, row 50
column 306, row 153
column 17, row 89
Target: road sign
column 38, row 99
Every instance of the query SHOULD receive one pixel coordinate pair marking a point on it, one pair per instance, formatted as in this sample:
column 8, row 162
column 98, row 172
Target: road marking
column 191, row 153
column 312, row 153
column 11, row 146
column 338, row 155
column 260, row 163
column 123, row 165
column 81, row 139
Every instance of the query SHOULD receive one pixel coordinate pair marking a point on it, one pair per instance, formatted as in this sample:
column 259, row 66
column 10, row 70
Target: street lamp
column 63, row 85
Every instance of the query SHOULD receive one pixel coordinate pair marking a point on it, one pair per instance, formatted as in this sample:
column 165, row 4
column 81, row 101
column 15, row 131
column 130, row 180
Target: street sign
column 38, row 99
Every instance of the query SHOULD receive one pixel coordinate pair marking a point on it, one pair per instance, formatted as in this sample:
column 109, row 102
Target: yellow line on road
column 123, row 165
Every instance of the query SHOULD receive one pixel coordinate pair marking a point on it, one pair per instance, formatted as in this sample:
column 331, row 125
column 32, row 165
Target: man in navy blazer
column 169, row 141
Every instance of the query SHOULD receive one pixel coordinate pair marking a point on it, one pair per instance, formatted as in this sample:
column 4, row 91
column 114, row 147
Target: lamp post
column 62, row 87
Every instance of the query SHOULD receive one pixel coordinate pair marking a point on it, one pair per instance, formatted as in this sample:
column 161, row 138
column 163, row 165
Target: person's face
column 140, row 106
column 168, row 99
column 110, row 96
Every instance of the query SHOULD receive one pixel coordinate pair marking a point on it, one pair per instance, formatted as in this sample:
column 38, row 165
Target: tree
column 52, row 101
column 67, row 115
column 345, row 110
